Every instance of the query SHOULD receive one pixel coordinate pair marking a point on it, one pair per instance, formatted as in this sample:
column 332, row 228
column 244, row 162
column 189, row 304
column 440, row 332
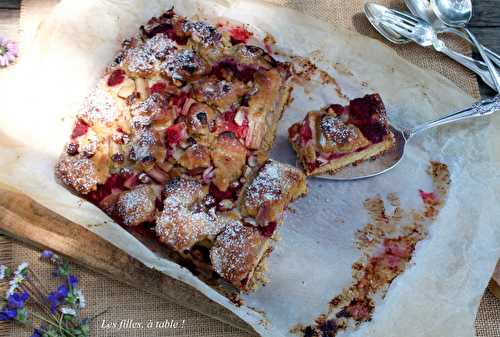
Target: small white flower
column 3, row 270
column 21, row 268
column 12, row 289
column 68, row 311
column 81, row 298
column 17, row 279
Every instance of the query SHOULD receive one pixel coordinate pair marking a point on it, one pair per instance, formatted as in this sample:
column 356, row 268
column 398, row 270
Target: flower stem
column 54, row 324
column 38, row 280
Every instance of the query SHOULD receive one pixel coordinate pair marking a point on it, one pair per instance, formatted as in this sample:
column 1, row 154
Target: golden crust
column 372, row 152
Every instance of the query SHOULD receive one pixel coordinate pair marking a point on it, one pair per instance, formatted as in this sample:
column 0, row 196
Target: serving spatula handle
column 482, row 108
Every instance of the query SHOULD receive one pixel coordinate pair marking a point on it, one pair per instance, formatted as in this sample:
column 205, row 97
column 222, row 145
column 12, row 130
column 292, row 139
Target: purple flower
column 57, row 298
column 72, row 281
column 8, row 51
column 47, row 254
column 17, row 300
column 37, row 333
column 8, row 314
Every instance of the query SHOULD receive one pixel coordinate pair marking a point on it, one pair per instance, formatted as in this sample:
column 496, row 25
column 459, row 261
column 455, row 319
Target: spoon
column 393, row 157
column 457, row 13
column 423, row 9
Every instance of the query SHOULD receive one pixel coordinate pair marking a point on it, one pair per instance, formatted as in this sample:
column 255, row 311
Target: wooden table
column 485, row 24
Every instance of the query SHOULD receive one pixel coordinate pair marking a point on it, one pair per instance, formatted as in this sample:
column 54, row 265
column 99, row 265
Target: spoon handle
column 486, row 59
column 482, row 108
column 467, row 62
column 491, row 54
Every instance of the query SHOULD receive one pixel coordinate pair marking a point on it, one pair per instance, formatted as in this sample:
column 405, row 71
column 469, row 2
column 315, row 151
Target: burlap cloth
column 125, row 303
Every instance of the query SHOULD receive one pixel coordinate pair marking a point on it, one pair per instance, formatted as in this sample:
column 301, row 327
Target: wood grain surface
column 27, row 221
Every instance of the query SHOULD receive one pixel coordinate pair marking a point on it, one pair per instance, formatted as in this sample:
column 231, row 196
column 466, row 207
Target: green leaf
column 22, row 315
column 63, row 269
column 85, row 329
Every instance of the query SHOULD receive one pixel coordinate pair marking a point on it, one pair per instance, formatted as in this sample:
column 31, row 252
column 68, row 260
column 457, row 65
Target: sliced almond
column 239, row 118
column 252, row 161
column 127, row 88
column 226, row 204
column 142, row 87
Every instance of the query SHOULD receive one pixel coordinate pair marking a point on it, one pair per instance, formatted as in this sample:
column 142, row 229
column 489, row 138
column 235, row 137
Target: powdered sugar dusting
column 153, row 105
column 236, row 251
column 142, row 143
column 337, row 131
column 99, row 106
column 269, row 184
column 202, row 32
column 185, row 219
column 77, row 172
column 137, row 206
column 140, row 60
column 160, row 46
column 179, row 61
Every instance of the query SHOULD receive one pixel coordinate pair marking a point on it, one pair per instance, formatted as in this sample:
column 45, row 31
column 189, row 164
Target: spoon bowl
column 422, row 9
column 456, row 13
column 374, row 12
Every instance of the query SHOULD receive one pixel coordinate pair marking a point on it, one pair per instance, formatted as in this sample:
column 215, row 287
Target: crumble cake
column 175, row 137
column 334, row 137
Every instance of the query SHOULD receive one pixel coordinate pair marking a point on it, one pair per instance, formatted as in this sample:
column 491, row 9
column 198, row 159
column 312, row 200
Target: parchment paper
column 437, row 296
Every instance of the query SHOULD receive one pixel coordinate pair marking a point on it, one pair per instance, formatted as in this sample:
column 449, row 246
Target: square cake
column 175, row 138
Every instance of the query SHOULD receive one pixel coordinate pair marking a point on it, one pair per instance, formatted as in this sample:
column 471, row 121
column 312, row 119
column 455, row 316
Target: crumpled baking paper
column 439, row 293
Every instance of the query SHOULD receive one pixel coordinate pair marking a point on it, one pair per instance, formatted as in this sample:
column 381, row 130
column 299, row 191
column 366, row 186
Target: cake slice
column 267, row 196
column 334, row 137
column 240, row 251
column 237, row 254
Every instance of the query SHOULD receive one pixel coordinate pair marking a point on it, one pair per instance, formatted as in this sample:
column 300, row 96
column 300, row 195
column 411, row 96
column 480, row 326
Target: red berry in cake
column 117, row 77
column 80, row 129
column 239, row 34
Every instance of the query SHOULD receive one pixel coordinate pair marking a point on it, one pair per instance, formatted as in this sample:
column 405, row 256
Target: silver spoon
column 394, row 156
column 376, row 14
column 423, row 9
column 457, row 13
